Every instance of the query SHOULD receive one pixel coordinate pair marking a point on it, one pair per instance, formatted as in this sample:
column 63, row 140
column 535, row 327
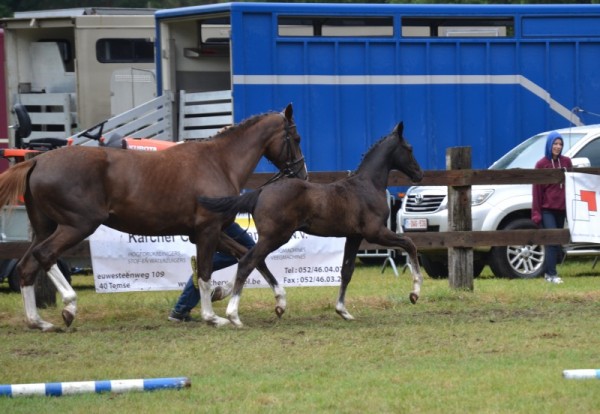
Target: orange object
column 16, row 153
column 144, row 144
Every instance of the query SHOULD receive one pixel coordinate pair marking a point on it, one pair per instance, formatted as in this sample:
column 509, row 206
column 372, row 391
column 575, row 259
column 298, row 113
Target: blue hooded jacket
column 550, row 141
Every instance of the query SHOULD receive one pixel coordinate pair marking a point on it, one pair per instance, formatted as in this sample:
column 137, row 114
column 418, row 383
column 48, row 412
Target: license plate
column 415, row 224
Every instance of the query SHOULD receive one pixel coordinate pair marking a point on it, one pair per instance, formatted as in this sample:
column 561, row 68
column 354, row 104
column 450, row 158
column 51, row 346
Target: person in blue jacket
column 548, row 208
column 190, row 297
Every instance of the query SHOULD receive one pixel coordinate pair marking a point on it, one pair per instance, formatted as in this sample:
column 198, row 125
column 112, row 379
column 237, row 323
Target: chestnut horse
column 355, row 207
column 70, row 192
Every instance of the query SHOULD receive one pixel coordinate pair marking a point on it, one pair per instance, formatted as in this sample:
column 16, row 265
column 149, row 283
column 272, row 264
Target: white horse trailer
column 73, row 68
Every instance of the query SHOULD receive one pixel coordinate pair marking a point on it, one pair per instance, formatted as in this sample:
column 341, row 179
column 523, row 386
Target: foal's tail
column 13, row 183
column 230, row 206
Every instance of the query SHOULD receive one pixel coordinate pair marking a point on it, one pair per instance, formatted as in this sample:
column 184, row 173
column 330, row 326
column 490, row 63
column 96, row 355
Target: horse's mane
column 369, row 151
column 237, row 129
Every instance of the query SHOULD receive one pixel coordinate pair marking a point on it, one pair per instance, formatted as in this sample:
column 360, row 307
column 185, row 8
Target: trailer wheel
column 13, row 278
column 24, row 127
column 520, row 261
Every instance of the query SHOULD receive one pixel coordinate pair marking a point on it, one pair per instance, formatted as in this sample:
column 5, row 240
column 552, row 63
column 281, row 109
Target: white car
column 496, row 207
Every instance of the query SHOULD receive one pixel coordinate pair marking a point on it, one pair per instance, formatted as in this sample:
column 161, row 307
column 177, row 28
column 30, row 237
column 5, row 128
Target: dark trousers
column 190, row 296
column 553, row 219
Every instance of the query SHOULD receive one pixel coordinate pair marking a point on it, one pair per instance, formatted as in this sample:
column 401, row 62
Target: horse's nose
column 418, row 176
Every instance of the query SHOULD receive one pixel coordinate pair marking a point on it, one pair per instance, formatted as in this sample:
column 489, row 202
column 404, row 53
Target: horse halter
column 292, row 167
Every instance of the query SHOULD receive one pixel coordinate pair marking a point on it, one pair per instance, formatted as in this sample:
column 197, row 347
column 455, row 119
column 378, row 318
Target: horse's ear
column 288, row 112
column 399, row 130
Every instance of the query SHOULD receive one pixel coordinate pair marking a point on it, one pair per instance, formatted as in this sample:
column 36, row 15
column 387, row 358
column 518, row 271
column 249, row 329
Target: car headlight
column 479, row 197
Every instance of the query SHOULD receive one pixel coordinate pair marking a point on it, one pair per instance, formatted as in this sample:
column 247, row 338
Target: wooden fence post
column 460, row 259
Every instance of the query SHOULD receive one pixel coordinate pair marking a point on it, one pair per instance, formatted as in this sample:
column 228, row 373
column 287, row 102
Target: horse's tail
column 230, row 206
column 13, row 183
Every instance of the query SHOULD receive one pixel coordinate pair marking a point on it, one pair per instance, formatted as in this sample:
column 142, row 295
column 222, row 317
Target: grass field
column 499, row 349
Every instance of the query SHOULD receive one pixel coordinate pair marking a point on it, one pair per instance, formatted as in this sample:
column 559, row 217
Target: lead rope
column 559, row 166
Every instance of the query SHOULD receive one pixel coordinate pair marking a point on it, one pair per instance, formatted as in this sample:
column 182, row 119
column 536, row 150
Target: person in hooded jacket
column 548, row 209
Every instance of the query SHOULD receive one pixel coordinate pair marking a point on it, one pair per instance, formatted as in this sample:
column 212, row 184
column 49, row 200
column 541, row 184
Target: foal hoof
column 68, row 317
column 217, row 294
column 221, row 292
column 279, row 311
column 217, row 321
column 413, row 298
column 43, row 326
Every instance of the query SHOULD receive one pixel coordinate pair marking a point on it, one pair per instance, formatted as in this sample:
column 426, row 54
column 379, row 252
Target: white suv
column 496, row 207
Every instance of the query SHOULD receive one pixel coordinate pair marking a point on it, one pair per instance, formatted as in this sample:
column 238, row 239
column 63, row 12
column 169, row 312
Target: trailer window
column 125, row 51
column 214, row 31
column 457, row 27
column 213, row 38
column 336, row 26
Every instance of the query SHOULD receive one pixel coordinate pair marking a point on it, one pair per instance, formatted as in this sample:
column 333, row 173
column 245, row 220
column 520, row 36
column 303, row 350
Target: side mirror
column 581, row 162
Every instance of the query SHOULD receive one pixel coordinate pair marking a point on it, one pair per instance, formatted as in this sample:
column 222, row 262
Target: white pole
column 581, row 373
column 80, row 387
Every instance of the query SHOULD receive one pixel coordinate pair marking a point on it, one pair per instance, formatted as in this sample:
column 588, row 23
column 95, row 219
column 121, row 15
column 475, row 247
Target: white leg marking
column 232, row 311
column 280, row 299
column 340, row 308
column 69, row 297
column 31, row 313
column 417, row 278
column 206, row 301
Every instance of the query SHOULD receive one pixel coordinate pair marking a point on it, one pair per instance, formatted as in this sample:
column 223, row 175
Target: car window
column 526, row 154
column 592, row 152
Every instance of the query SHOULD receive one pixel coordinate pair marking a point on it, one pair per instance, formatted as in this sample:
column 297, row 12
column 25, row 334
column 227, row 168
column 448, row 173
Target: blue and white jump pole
column 57, row 389
column 581, row 373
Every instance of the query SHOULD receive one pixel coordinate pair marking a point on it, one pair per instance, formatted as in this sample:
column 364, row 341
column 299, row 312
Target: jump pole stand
column 57, row 389
column 581, row 373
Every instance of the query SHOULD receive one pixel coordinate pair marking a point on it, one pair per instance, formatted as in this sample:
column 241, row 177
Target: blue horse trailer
column 485, row 76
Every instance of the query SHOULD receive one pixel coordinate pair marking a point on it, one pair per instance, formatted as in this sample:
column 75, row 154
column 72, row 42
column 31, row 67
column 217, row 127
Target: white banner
column 581, row 196
column 125, row 262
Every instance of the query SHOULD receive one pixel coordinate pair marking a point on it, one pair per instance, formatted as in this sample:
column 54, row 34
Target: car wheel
column 519, row 261
column 437, row 266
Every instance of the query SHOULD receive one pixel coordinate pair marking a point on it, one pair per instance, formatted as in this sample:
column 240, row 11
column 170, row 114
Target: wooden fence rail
column 423, row 240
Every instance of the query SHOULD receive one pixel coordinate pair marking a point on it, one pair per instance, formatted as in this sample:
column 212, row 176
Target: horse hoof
column 345, row 314
column 279, row 311
column 42, row 326
column 221, row 292
column 68, row 317
column 217, row 294
column 413, row 298
column 237, row 323
column 217, row 322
